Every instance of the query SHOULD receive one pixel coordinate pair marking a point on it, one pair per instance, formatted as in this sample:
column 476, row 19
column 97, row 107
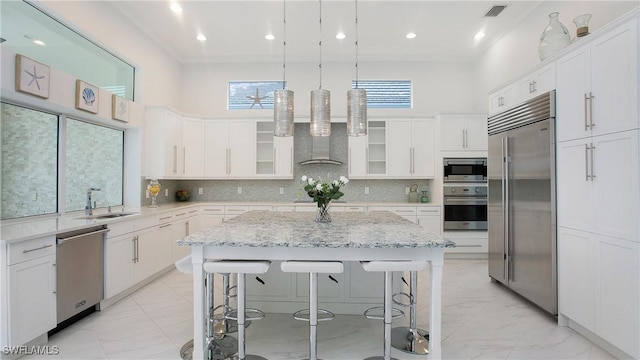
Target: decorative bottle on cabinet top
column 554, row 37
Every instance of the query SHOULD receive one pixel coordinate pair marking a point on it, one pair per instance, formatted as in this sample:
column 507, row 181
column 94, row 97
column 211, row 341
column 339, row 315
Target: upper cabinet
column 597, row 86
column 463, row 132
column 538, row 81
column 179, row 147
column 394, row 149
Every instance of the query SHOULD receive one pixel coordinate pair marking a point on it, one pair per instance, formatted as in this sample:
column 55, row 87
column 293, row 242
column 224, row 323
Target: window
column 252, row 94
column 29, row 162
column 386, row 94
column 94, row 158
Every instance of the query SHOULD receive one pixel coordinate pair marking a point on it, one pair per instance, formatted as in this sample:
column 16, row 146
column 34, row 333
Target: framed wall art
column 32, row 77
column 119, row 108
column 86, row 97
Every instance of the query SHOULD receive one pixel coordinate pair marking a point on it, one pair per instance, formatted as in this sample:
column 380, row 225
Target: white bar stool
column 240, row 267
column 410, row 339
column 311, row 314
column 388, row 267
column 219, row 346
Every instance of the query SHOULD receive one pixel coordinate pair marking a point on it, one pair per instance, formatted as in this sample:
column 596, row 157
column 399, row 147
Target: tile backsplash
column 269, row 190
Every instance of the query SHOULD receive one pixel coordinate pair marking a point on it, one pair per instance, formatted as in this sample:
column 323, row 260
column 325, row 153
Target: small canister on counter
column 413, row 193
column 425, row 196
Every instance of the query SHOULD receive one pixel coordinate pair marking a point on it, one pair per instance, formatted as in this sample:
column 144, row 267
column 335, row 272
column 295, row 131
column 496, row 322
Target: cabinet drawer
column 404, row 211
column 213, row 210
column 164, row 218
column 145, row 222
column 354, row 208
column 261, row 207
column 31, row 249
column 121, row 227
column 428, row 211
column 235, row 210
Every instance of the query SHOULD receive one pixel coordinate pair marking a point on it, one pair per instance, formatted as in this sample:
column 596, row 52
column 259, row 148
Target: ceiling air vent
column 495, row 11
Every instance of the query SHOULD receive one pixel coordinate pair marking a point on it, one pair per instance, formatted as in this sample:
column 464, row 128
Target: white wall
column 437, row 86
column 157, row 72
column 516, row 52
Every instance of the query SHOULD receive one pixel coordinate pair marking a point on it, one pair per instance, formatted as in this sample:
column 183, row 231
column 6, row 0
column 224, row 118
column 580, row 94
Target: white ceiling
column 236, row 28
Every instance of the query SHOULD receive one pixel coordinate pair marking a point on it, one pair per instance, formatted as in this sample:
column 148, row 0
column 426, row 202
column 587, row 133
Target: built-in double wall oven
column 465, row 193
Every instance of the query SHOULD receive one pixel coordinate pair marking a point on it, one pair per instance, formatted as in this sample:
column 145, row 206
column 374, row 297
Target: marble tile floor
column 481, row 320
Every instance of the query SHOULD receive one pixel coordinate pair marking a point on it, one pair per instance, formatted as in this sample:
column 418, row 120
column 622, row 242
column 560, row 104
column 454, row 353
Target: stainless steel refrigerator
column 522, row 201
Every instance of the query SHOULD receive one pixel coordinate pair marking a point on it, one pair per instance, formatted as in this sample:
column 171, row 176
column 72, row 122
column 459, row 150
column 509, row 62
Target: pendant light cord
column 356, row 1
column 320, row 43
column 284, row 43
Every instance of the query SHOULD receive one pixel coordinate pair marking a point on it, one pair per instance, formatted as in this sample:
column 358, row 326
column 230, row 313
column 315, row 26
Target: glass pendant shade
column 320, row 112
column 357, row 112
column 283, row 112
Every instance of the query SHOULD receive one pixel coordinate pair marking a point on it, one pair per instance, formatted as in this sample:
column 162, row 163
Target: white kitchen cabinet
column 463, row 132
column 537, row 82
column 430, row 219
column 274, row 154
column 119, row 260
column 229, row 149
column 590, row 173
column 163, row 247
column 31, row 278
column 192, row 148
column 147, row 254
column 163, row 142
column 357, row 154
column 376, row 151
column 411, row 150
column 283, row 156
column 186, row 222
column 277, row 285
column 212, row 215
column 597, row 86
column 468, row 242
column 502, row 99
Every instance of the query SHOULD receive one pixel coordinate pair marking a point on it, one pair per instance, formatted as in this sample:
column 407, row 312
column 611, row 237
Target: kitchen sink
column 107, row 216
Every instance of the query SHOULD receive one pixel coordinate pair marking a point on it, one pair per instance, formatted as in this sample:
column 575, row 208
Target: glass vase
column 582, row 25
column 554, row 37
column 323, row 215
column 154, row 188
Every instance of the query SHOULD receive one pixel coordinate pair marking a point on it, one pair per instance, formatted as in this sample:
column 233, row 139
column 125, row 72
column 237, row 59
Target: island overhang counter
column 266, row 235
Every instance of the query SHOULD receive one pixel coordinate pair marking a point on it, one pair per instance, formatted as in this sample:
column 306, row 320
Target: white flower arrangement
column 322, row 192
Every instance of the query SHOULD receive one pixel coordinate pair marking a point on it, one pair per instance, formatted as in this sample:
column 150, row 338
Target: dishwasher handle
column 63, row 240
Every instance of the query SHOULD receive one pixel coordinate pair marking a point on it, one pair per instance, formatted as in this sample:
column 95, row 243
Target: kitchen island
column 264, row 235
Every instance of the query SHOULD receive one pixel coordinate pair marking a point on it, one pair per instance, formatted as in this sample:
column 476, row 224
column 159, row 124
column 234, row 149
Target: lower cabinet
column 187, row 222
column 119, row 258
column 32, row 291
column 599, row 286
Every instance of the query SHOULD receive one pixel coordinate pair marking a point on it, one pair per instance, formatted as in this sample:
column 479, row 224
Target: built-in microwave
column 465, row 169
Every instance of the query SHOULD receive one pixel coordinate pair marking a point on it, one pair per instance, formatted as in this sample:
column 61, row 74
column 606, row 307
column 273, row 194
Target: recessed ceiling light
column 340, row 36
column 411, row 35
column 175, row 7
column 479, row 35
column 201, row 37
column 269, row 37
column 39, row 42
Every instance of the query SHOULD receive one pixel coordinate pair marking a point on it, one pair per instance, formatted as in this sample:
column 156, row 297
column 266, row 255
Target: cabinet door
column 283, row 156
column 573, row 84
column 172, row 128
column 277, row 285
column 192, row 151
column 618, row 302
column 452, row 132
column 242, row 145
column 574, row 191
column 146, row 254
column 399, row 149
column 32, row 299
column 577, row 259
column 358, row 156
column 615, row 167
column 216, row 147
column 476, row 135
column 538, row 82
column 614, row 80
column 119, row 258
column 423, row 153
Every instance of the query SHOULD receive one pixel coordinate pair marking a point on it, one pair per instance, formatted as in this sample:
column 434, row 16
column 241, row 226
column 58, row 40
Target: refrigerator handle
column 506, row 209
column 593, row 174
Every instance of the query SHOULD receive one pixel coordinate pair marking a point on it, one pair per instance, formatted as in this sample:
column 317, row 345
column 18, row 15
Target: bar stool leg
column 411, row 339
column 388, row 317
column 313, row 316
column 242, row 305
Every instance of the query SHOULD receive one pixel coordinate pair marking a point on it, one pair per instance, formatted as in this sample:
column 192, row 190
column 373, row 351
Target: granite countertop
column 378, row 229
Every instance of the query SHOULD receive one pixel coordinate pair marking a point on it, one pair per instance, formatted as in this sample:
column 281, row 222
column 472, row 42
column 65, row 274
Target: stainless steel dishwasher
column 80, row 271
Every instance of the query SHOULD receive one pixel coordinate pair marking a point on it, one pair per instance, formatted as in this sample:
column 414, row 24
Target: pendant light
column 283, row 99
column 357, row 100
column 320, row 124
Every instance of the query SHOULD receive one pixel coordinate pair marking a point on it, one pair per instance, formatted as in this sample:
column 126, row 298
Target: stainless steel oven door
column 465, row 213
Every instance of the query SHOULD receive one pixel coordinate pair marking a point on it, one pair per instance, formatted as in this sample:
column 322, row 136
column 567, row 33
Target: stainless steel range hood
column 320, row 152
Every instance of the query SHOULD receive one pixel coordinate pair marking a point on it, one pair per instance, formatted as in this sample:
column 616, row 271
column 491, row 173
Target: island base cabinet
column 599, row 286
column 32, row 299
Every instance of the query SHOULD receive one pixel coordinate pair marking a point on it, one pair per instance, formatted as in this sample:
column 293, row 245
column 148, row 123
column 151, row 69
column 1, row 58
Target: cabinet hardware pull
column 291, row 163
column 274, row 161
column 164, row 226
column 367, row 155
column 591, row 97
column 586, row 121
column 36, row 249
column 133, row 242
column 229, row 172
column 593, row 175
column 586, row 162
column 188, row 227
column 184, row 160
column 61, row 241
column 175, row 159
